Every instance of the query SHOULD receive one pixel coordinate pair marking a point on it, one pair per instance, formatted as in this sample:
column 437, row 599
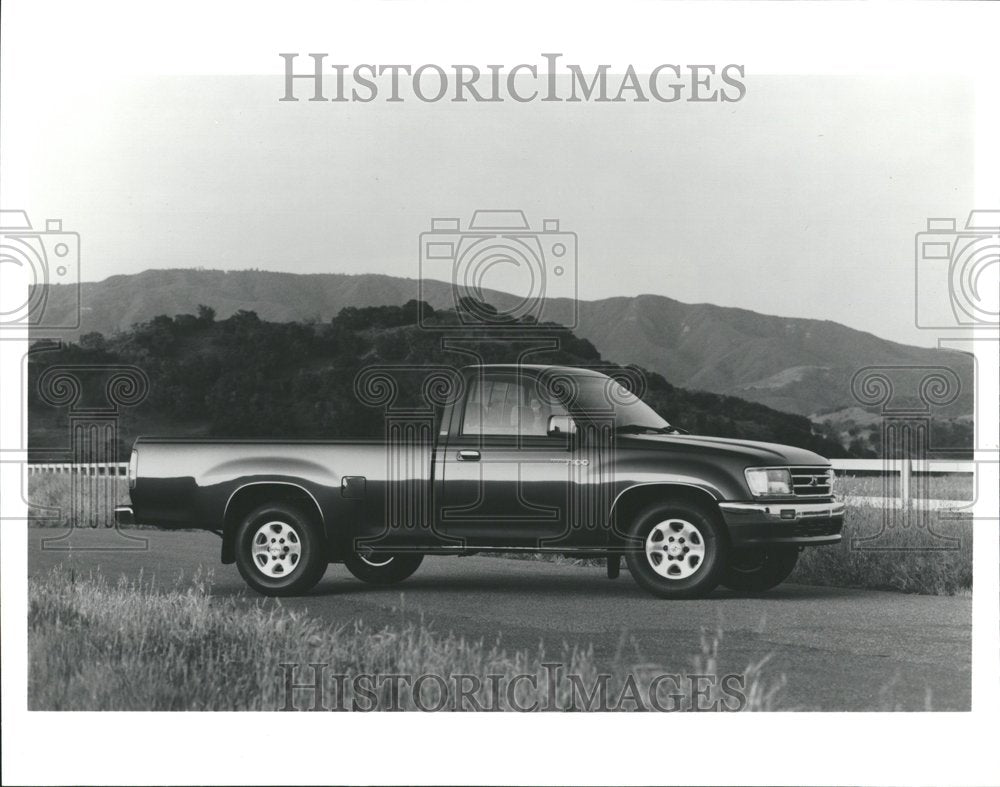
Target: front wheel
column 756, row 569
column 379, row 568
column 677, row 550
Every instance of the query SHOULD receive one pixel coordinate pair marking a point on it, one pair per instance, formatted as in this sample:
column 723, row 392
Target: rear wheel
column 381, row 568
column 756, row 569
column 280, row 551
column 677, row 550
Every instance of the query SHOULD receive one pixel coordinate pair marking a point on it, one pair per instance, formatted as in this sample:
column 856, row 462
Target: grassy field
column 134, row 646
column 58, row 499
column 94, row 645
column 904, row 551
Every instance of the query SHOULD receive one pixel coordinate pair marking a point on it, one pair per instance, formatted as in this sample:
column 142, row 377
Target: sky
column 800, row 200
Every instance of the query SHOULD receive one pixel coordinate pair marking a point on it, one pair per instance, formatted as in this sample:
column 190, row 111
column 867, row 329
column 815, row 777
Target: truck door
column 505, row 480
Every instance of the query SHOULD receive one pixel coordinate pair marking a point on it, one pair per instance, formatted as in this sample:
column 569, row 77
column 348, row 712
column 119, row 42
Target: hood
column 755, row 453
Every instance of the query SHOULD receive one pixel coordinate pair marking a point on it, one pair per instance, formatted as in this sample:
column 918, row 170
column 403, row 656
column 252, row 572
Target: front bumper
column 804, row 524
column 124, row 515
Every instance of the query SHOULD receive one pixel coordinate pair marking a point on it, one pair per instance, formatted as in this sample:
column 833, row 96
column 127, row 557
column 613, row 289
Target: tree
column 93, row 341
column 476, row 310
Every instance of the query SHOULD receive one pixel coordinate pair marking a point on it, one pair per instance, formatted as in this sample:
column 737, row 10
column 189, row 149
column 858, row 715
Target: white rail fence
column 902, row 493
column 68, row 468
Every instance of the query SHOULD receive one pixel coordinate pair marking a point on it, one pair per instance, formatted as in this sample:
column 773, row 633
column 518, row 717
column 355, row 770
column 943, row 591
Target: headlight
column 769, row 481
column 133, row 468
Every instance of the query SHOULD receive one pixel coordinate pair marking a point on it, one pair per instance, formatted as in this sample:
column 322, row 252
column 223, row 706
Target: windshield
column 598, row 395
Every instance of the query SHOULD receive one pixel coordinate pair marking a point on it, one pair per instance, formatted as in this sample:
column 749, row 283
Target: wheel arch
column 252, row 494
column 631, row 501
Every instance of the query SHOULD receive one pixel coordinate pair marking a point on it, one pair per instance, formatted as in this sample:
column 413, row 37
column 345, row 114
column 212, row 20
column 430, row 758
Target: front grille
column 811, row 481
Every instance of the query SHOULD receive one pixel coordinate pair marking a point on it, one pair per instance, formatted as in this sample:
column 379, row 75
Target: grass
column 133, row 646
column 56, row 500
column 905, row 554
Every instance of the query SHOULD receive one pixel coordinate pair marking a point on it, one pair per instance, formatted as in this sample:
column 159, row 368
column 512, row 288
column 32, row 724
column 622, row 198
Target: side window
column 472, row 423
column 488, row 408
column 507, row 406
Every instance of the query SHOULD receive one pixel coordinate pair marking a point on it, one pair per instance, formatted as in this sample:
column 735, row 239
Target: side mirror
column 560, row 425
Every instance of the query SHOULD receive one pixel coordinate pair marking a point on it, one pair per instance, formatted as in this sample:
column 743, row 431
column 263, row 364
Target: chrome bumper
column 124, row 515
column 791, row 523
column 785, row 512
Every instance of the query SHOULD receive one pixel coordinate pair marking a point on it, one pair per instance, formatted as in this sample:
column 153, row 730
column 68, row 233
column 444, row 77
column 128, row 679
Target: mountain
column 797, row 365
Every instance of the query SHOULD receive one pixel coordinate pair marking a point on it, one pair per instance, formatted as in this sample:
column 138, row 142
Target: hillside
column 245, row 377
column 797, row 365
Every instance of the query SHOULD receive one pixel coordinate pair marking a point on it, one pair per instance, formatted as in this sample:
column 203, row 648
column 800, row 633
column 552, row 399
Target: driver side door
column 505, row 480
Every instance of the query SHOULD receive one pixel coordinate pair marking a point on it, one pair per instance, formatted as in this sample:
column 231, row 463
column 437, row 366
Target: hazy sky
column 800, row 200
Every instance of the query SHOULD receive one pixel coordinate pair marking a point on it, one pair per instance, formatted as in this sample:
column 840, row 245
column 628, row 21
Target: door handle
column 468, row 456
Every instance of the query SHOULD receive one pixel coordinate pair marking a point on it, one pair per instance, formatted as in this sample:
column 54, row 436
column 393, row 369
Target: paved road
column 838, row 648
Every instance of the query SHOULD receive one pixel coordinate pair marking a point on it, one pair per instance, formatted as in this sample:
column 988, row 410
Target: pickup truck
column 519, row 458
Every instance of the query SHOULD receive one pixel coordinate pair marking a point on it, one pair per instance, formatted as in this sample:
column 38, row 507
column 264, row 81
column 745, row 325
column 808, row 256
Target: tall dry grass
column 912, row 551
column 82, row 501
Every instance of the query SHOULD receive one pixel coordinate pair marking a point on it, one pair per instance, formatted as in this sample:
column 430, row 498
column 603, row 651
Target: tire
column 280, row 551
column 686, row 568
column 756, row 569
column 382, row 569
